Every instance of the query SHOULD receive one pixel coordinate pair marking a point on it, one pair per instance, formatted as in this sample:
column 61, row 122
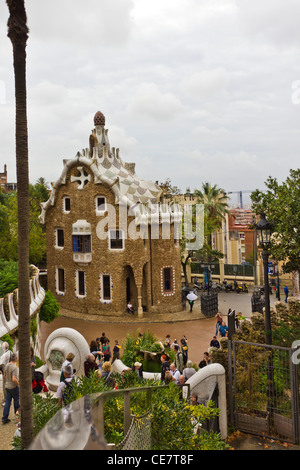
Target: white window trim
column 109, row 240
column 79, row 296
column 162, row 282
column 100, row 212
column 63, row 204
column 105, row 301
column 56, row 239
column 59, row 292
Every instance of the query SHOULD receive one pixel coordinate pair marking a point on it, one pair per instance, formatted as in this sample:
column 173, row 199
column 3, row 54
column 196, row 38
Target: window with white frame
column 66, row 207
column 59, row 238
column 100, row 202
column 80, row 282
column 116, row 239
column 60, row 280
column 105, row 288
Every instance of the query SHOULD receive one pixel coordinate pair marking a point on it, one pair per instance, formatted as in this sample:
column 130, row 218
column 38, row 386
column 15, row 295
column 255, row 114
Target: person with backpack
column 4, row 360
column 64, row 386
column 106, row 350
column 68, row 362
column 11, row 374
column 179, row 361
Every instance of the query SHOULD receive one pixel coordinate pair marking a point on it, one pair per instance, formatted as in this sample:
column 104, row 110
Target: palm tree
column 18, row 34
column 215, row 203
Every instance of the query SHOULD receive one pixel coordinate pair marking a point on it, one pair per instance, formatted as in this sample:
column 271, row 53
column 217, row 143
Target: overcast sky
column 192, row 90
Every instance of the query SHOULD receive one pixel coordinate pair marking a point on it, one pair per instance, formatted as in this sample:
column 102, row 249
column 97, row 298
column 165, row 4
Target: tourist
column 11, row 374
column 4, row 360
column 165, row 366
column 67, row 372
column 32, row 362
column 206, row 358
column 130, row 308
column 102, row 339
column 189, row 370
column 106, row 350
column 223, row 330
column 214, row 343
column 194, row 399
column 106, row 374
column 68, row 362
column 94, row 348
column 167, row 342
column 184, row 349
column 90, row 364
column 175, row 373
column 137, row 368
column 178, row 359
column 116, row 351
column 168, row 377
column 286, row 292
column 219, row 318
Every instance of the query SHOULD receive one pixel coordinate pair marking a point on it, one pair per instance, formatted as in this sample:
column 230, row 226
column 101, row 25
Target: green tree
column 38, row 193
column 215, row 202
column 281, row 204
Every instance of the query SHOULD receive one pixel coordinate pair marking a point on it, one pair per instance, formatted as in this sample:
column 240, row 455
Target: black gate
column 264, row 390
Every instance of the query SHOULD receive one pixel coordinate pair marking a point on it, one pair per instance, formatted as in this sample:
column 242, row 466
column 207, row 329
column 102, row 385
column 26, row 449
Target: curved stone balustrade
column 8, row 314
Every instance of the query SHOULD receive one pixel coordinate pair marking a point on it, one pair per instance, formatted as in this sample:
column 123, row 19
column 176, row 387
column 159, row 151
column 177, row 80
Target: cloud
column 150, row 102
column 192, row 90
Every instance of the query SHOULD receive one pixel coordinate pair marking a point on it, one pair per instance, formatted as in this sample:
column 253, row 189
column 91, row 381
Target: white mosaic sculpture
column 59, row 343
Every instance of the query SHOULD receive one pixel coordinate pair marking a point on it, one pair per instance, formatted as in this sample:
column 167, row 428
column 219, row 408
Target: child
column 116, row 351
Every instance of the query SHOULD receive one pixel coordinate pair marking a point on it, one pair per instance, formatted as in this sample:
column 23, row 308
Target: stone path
column 7, row 431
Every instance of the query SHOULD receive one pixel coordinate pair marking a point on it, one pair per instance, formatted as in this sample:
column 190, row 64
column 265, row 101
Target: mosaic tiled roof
column 107, row 168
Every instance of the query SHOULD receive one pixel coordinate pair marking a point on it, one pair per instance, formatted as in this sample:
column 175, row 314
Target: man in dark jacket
column 165, row 365
column 90, row 365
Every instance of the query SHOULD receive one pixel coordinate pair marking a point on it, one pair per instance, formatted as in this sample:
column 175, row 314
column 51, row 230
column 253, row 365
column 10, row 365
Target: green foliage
column 137, row 342
column 8, row 339
column 281, row 204
column 173, row 419
column 8, row 276
column 38, row 193
column 50, row 308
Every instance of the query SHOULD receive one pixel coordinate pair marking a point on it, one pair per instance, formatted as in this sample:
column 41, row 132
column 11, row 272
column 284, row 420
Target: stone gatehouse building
column 109, row 238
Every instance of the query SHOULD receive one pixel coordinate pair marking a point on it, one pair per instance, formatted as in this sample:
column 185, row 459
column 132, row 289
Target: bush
column 50, row 308
column 137, row 342
column 8, row 277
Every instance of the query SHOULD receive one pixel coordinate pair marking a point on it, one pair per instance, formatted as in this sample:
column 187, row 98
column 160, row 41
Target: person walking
column 286, row 292
column 4, row 360
column 11, row 373
column 184, row 349
column 179, row 362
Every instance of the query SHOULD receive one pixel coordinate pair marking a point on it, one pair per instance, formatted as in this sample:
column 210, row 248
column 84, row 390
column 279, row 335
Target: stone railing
column 9, row 303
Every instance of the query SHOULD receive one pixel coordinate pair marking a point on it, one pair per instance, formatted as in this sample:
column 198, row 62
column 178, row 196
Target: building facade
column 110, row 240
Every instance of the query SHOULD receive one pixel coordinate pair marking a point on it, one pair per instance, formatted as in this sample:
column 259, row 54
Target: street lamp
column 264, row 232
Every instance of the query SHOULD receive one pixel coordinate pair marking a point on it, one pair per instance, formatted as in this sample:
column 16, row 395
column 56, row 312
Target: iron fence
column 264, row 390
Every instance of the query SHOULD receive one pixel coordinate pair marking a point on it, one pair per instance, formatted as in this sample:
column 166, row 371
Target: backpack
column 67, row 390
column 38, row 382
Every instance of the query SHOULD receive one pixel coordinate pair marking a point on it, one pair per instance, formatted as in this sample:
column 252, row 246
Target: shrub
column 8, row 277
column 50, row 308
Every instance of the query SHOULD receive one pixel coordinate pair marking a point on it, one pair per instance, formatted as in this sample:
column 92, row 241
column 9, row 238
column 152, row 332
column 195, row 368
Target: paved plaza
column 198, row 329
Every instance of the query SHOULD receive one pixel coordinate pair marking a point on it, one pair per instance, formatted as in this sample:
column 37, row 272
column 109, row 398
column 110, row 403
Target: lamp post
column 264, row 232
